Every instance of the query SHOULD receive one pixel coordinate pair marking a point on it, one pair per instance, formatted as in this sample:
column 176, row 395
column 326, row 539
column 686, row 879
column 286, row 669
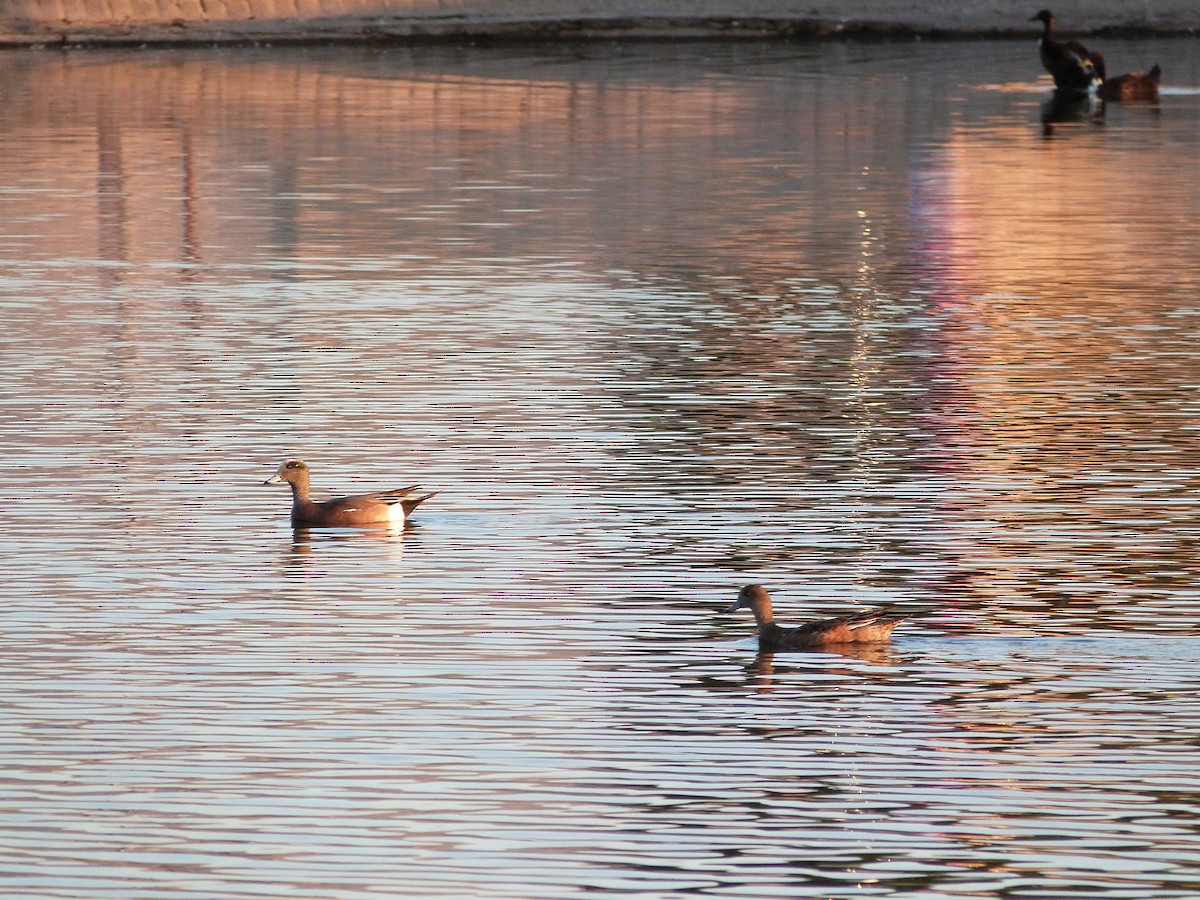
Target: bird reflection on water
column 1067, row 107
column 308, row 545
column 761, row 672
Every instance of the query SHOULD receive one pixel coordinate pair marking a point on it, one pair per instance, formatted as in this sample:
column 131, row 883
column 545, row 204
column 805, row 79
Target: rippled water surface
column 866, row 324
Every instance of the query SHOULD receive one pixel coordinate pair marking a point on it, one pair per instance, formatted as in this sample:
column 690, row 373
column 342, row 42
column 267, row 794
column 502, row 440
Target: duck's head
column 293, row 470
column 752, row 596
column 1044, row 16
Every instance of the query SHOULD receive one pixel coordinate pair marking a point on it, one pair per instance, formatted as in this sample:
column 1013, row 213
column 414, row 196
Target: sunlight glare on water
column 862, row 323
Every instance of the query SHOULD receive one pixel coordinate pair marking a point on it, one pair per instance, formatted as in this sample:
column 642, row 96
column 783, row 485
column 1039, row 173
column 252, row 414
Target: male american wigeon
column 872, row 627
column 389, row 508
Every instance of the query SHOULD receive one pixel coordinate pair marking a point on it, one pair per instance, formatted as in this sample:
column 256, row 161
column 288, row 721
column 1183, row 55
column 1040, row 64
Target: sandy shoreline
column 48, row 22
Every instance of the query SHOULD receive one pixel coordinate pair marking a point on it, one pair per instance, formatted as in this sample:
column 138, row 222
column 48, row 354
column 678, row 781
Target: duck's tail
column 397, row 493
column 883, row 616
column 411, row 503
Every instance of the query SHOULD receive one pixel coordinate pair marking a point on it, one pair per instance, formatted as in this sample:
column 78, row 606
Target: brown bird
column 389, row 508
column 872, row 627
column 1133, row 86
column 1072, row 65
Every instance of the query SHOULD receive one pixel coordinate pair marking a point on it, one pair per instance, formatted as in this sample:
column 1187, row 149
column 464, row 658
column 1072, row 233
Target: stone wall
column 39, row 21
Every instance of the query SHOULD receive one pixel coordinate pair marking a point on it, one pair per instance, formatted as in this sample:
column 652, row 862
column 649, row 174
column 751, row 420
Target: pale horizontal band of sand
column 52, row 21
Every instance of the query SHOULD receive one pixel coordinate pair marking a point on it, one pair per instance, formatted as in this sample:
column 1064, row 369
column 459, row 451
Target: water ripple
column 657, row 322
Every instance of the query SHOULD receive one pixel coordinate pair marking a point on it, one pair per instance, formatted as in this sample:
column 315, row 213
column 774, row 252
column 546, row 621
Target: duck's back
column 868, row 627
column 343, row 512
column 384, row 508
column 1133, row 86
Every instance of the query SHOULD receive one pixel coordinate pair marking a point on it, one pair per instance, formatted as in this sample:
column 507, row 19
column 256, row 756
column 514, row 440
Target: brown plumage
column 1072, row 66
column 358, row 511
column 872, row 627
column 1133, row 86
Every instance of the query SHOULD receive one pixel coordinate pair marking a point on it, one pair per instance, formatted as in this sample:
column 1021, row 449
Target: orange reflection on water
column 1060, row 378
column 170, row 158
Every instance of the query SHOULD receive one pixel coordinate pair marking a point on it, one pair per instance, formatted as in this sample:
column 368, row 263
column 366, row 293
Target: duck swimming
column 1072, row 65
column 1133, row 86
column 358, row 511
column 871, row 627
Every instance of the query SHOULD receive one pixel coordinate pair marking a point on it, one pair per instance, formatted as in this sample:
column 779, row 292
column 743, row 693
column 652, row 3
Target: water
column 864, row 323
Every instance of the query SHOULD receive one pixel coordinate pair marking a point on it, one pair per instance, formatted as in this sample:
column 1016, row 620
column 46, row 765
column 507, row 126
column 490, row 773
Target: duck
column 1072, row 65
column 1133, row 86
column 872, row 627
column 389, row 508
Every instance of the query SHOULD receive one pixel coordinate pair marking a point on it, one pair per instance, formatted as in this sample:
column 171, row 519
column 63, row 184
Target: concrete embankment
column 32, row 22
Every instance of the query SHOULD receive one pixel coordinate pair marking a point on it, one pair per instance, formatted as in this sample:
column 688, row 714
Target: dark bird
column 389, row 508
column 872, row 627
column 1072, row 65
column 1133, row 86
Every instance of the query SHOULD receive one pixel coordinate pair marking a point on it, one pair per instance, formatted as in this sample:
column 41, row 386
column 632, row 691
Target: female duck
column 871, row 627
column 386, row 508
column 1072, row 65
column 1133, row 86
